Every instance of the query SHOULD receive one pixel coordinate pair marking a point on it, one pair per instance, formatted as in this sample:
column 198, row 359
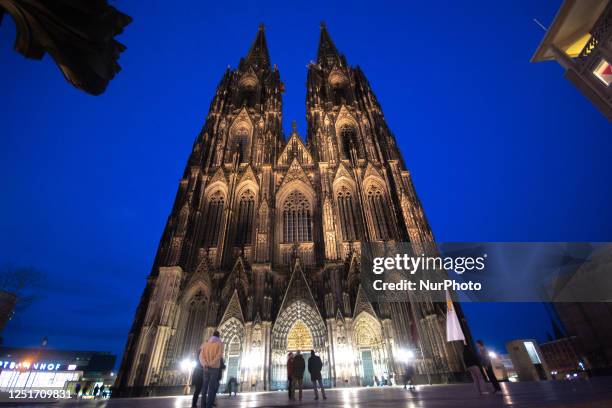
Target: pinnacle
column 327, row 48
column 258, row 54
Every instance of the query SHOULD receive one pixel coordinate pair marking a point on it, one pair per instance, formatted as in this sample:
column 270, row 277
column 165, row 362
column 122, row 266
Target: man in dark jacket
column 289, row 373
column 197, row 379
column 473, row 365
column 485, row 360
column 297, row 374
column 315, row 365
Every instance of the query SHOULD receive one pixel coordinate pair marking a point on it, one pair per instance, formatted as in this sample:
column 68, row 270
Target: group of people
column 99, row 391
column 209, row 368
column 476, row 364
column 296, row 366
column 208, row 371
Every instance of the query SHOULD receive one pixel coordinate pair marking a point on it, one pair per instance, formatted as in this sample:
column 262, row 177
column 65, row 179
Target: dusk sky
column 500, row 149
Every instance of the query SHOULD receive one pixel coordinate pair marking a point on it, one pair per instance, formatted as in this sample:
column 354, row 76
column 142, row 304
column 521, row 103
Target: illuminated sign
column 26, row 365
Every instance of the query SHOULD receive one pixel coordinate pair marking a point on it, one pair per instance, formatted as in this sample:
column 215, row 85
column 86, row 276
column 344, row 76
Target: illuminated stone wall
column 264, row 240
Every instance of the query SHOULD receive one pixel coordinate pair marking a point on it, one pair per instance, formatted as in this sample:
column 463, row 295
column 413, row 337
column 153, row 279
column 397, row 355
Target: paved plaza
column 595, row 393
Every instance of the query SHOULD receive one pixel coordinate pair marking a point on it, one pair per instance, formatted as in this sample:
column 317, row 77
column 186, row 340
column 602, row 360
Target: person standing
column 409, row 376
column 232, row 385
column 289, row 375
column 315, row 365
column 197, row 378
column 485, row 360
column 473, row 365
column 297, row 374
column 210, row 358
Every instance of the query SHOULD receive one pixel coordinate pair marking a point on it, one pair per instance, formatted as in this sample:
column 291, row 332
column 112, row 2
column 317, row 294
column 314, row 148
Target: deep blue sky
column 500, row 149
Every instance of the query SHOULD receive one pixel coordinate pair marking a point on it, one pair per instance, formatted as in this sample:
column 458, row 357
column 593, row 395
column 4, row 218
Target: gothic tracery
column 265, row 238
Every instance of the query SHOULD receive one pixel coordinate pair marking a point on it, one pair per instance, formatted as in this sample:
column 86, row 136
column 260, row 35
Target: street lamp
column 344, row 358
column 187, row 365
column 406, row 355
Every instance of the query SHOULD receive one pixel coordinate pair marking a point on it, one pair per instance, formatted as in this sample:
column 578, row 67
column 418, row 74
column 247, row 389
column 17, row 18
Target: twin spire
column 259, row 55
column 327, row 50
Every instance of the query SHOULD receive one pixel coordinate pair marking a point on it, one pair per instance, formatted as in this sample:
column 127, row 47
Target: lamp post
column 344, row 357
column 187, row 365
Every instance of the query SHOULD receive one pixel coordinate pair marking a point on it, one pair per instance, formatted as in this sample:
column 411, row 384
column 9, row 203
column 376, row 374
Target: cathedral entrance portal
column 232, row 334
column 372, row 356
column 298, row 327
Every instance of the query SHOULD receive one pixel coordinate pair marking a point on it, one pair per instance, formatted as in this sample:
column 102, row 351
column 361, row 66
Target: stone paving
column 596, row 393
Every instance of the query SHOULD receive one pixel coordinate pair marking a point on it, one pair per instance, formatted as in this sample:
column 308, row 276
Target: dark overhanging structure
column 580, row 40
column 77, row 34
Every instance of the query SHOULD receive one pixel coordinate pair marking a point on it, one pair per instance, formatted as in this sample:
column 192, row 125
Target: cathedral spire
column 258, row 54
column 327, row 50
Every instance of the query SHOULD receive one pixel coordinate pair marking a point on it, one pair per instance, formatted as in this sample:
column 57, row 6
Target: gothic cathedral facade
column 263, row 242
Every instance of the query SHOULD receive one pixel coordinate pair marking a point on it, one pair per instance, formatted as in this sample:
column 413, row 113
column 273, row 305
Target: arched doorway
column 370, row 348
column 232, row 335
column 298, row 327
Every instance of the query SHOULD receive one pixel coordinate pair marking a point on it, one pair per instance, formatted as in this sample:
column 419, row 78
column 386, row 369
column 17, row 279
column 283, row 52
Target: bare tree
column 20, row 282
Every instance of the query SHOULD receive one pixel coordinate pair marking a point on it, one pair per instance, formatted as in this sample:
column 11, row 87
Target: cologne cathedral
column 264, row 241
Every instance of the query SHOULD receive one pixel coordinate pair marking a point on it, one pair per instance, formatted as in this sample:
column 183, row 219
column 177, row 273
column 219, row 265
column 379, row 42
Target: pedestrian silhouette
column 315, row 365
column 232, row 385
column 289, row 375
column 409, row 376
column 473, row 365
column 197, row 379
column 485, row 360
column 297, row 374
column 211, row 358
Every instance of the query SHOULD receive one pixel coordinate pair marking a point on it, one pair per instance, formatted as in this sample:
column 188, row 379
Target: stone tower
column 263, row 242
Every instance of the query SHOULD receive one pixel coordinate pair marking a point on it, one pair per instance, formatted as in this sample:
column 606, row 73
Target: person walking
column 197, row 378
column 315, row 365
column 102, row 389
column 289, row 375
column 409, row 376
column 473, row 365
column 210, row 358
column 232, row 385
column 95, row 391
column 297, row 374
column 485, row 360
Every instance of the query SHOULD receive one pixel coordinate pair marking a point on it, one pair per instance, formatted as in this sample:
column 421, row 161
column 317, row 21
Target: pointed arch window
column 348, row 135
column 247, row 90
column 247, row 97
column 347, row 214
column 214, row 216
column 379, row 213
column 340, row 94
column 297, row 218
column 195, row 324
column 246, row 213
column 242, row 143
